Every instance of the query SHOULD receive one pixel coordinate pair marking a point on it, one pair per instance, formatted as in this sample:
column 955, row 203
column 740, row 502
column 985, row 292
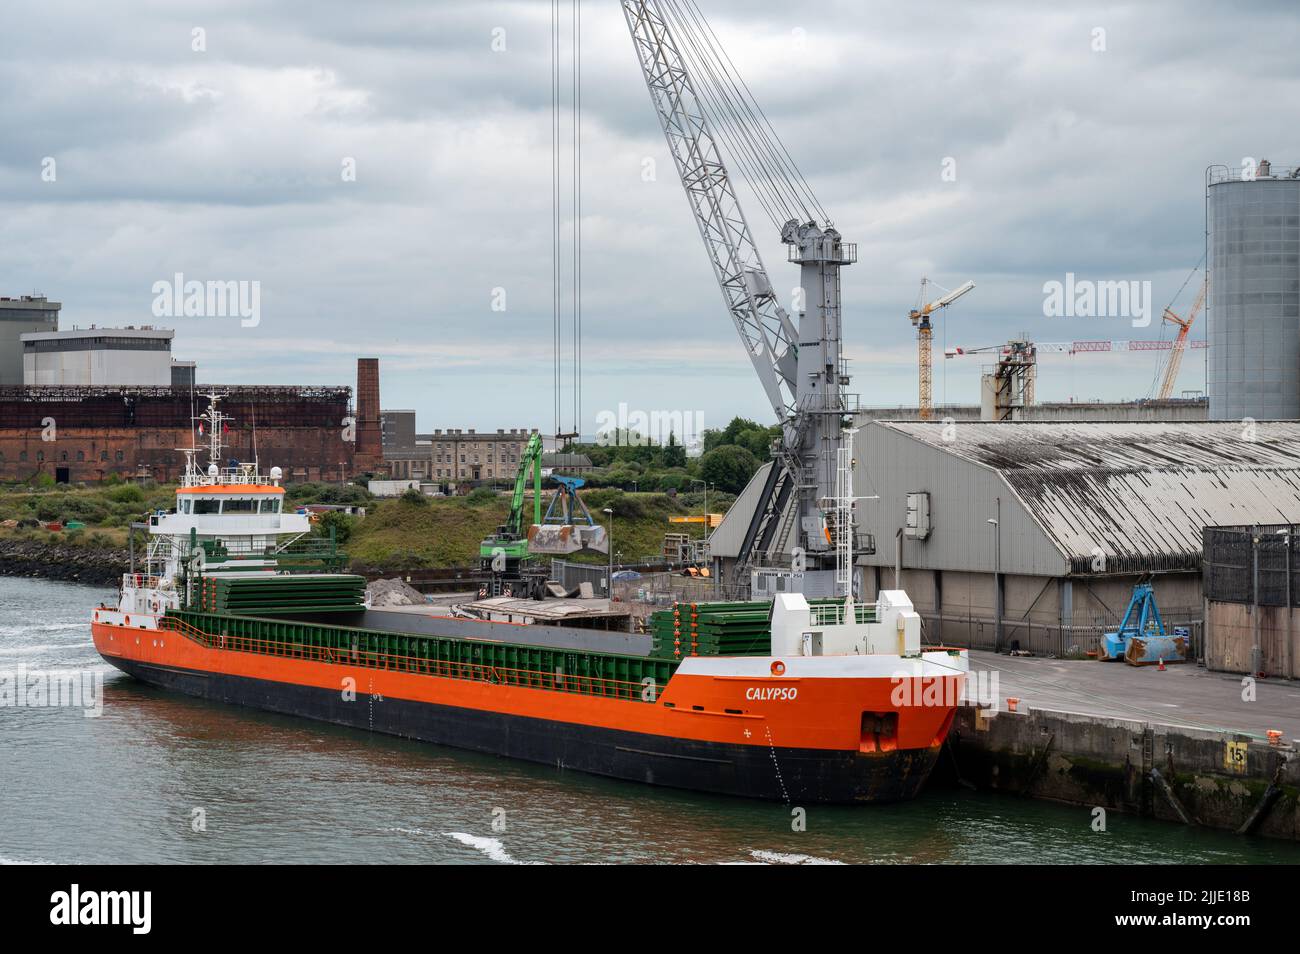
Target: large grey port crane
column 699, row 97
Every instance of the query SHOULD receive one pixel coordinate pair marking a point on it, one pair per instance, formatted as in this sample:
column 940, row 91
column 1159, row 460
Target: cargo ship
column 822, row 701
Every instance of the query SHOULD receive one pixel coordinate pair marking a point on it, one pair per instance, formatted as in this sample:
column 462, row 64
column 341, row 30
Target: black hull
column 796, row 776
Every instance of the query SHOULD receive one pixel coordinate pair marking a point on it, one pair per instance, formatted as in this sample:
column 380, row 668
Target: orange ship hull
column 788, row 737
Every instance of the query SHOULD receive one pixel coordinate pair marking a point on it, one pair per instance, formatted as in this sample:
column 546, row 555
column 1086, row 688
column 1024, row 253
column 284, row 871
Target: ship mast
column 841, row 506
column 215, row 419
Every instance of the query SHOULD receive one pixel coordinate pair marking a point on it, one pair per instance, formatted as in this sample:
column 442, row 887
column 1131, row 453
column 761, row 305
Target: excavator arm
column 511, row 537
column 531, row 461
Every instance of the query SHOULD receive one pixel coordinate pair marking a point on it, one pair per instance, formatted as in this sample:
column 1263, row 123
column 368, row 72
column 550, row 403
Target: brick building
column 85, row 434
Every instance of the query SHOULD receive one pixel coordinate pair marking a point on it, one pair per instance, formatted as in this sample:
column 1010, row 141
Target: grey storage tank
column 1253, row 249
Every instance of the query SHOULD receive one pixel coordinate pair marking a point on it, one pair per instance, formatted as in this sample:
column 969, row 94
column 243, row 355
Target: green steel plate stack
column 724, row 629
column 282, row 594
column 720, row 629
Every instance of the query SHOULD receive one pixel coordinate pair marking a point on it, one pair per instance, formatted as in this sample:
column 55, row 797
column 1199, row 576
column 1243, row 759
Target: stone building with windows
column 473, row 456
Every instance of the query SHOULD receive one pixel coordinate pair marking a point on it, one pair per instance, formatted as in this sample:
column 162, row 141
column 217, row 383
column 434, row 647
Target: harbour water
column 163, row 778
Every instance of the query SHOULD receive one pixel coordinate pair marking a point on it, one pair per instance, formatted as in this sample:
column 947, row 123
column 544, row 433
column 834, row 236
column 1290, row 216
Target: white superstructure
column 228, row 518
column 98, row 357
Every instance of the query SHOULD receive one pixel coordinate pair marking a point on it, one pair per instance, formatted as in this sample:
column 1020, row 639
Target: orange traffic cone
column 1161, row 667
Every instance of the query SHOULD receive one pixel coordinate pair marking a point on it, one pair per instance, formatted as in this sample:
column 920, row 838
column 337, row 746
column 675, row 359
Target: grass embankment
column 396, row 534
column 106, row 512
column 435, row 532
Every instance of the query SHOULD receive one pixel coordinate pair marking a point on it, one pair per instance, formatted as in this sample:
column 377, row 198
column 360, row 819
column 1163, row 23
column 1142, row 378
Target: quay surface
column 1184, row 694
column 1185, row 745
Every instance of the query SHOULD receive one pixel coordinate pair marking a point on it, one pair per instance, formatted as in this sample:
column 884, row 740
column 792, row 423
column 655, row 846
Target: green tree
column 481, row 495
column 674, row 454
column 342, row 523
column 743, row 432
column 413, row 497
column 728, row 467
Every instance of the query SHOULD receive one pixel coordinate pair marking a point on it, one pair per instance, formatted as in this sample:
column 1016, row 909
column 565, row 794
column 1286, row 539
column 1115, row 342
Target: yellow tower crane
column 920, row 317
column 1180, row 343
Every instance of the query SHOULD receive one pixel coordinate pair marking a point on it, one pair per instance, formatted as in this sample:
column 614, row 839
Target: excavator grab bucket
column 1154, row 649
column 566, row 539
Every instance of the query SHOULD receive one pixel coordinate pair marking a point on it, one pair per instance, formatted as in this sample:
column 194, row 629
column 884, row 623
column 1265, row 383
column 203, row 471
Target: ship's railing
column 141, row 581
column 558, row 681
column 832, row 614
column 228, row 477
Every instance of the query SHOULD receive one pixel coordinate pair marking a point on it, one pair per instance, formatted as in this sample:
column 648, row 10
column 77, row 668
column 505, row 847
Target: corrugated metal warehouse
column 1068, row 516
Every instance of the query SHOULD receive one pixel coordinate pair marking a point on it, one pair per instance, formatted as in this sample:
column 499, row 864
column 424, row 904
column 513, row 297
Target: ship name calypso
column 780, row 693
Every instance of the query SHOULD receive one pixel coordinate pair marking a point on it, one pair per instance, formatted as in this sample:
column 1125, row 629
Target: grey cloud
column 226, row 165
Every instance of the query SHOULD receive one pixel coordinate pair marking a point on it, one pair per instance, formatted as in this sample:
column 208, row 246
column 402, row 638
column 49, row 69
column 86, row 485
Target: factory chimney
column 369, row 454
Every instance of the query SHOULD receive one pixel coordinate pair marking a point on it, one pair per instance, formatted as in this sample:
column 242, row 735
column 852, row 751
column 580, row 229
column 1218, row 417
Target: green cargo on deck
column 721, row 629
column 731, row 629
column 278, row 594
column 635, row 678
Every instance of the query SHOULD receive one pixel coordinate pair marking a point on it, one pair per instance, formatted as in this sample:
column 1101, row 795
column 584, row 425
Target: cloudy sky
column 226, row 163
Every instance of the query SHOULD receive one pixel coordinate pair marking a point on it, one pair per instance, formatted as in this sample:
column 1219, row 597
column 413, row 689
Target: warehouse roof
column 1139, row 492
column 1137, row 445
column 77, row 334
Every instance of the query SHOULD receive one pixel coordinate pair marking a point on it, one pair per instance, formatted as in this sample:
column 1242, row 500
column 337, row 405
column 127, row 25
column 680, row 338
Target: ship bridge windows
column 230, row 505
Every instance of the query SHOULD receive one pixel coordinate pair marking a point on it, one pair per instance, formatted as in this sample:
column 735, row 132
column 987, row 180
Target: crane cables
column 566, row 202
column 738, row 121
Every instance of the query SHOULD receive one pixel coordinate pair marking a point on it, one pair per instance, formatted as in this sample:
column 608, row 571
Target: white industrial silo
column 1253, row 237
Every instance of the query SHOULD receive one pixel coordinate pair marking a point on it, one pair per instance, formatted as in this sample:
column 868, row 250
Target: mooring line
column 776, row 765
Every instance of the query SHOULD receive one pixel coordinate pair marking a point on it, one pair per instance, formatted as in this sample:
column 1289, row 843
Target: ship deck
column 431, row 621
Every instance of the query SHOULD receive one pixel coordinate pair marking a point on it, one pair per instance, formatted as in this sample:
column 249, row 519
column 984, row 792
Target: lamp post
column 705, row 484
column 997, row 585
column 609, row 577
column 1285, row 533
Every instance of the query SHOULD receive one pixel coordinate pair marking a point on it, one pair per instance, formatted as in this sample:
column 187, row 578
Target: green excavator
column 511, row 539
column 510, row 554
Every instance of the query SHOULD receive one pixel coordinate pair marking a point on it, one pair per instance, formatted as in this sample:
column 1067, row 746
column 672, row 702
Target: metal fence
column 571, row 575
column 1077, row 639
column 664, row 589
column 659, row 583
column 1254, row 565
